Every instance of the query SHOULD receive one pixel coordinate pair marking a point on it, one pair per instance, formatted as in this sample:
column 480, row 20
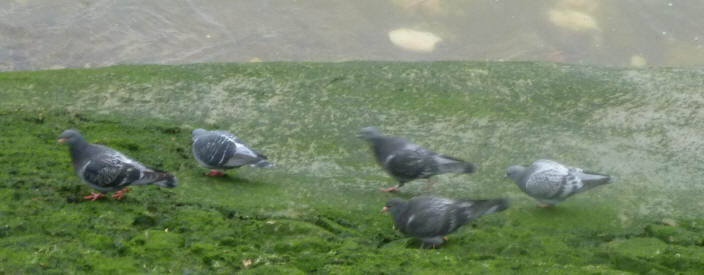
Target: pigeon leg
column 430, row 185
column 94, row 196
column 215, row 173
column 544, row 205
column 120, row 193
column 390, row 189
column 444, row 238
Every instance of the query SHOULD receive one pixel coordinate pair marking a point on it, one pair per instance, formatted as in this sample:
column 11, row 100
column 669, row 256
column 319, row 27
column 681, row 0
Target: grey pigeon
column 219, row 150
column 431, row 218
column 107, row 170
column 406, row 161
column 551, row 182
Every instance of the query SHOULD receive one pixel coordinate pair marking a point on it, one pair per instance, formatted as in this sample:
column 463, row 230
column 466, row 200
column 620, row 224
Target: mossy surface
column 317, row 211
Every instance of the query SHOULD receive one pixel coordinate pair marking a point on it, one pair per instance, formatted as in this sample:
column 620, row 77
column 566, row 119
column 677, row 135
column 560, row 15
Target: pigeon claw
column 214, row 173
column 94, row 196
column 120, row 194
column 429, row 187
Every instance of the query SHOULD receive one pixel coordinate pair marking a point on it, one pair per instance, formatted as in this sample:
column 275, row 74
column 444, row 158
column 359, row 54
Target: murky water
column 39, row 34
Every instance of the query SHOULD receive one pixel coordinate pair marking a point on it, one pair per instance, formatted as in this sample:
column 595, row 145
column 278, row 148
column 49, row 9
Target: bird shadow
column 228, row 179
column 414, row 243
column 548, row 211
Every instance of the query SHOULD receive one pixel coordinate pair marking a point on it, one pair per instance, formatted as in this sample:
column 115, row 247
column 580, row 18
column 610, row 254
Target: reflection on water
column 37, row 34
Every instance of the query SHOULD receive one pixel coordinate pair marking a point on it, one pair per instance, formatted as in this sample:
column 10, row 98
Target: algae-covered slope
column 317, row 211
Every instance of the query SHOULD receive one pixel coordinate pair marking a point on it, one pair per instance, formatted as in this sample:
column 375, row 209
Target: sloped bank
column 318, row 211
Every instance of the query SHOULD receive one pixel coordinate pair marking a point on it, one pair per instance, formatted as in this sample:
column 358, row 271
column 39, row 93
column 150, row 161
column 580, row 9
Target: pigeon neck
column 78, row 149
column 516, row 172
column 397, row 212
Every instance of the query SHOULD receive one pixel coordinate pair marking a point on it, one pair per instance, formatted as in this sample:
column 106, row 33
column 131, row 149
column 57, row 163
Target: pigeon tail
column 452, row 165
column 478, row 208
column 263, row 164
column 593, row 179
column 160, row 178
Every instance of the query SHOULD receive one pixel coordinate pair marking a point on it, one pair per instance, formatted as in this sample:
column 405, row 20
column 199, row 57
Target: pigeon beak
column 61, row 141
column 383, row 210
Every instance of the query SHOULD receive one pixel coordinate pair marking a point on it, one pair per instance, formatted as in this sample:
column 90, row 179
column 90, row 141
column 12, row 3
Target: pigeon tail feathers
column 480, row 208
column 263, row 164
column 160, row 178
column 593, row 179
column 452, row 165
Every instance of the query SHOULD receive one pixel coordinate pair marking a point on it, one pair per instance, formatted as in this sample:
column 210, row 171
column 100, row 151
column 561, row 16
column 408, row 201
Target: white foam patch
column 572, row 19
column 638, row 61
column 413, row 40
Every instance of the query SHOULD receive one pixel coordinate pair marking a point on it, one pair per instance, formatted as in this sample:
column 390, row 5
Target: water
column 40, row 34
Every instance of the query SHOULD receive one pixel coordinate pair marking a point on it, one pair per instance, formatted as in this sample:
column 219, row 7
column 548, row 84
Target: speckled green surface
column 318, row 210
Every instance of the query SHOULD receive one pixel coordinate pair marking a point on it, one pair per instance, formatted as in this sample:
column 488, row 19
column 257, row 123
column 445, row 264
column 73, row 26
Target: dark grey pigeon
column 431, row 218
column 551, row 182
column 220, row 150
column 406, row 161
column 107, row 170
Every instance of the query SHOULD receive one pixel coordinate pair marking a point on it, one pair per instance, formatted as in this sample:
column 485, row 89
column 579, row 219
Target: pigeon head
column 370, row 133
column 395, row 206
column 70, row 137
column 198, row 132
column 515, row 172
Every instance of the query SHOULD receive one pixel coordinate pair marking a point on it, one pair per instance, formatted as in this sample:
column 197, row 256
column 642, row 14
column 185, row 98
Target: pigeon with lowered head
column 107, row 170
column 406, row 161
column 220, row 150
column 551, row 182
column 431, row 218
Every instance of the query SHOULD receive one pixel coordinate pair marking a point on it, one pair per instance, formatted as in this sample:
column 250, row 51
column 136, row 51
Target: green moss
column 675, row 234
column 271, row 269
column 638, row 254
column 317, row 211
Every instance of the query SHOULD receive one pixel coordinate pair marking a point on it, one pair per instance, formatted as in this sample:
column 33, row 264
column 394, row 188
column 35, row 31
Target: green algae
column 318, row 210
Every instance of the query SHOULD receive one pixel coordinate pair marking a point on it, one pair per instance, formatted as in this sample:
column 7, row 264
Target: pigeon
column 406, row 161
column 219, row 150
column 107, row 170
column 551, row 182
column 431, row 218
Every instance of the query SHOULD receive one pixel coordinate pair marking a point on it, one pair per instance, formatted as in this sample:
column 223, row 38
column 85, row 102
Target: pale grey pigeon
column 431, row 218
column 406, row 161
column 551, row 182
column 220, row 150
column 107, row 170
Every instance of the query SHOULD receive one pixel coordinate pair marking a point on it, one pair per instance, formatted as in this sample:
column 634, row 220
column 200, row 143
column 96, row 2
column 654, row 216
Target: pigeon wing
column 214, row 150
column 110, row 172
column 430, row 217
column 410, row 163
column 243, row 156
column 545, row 179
